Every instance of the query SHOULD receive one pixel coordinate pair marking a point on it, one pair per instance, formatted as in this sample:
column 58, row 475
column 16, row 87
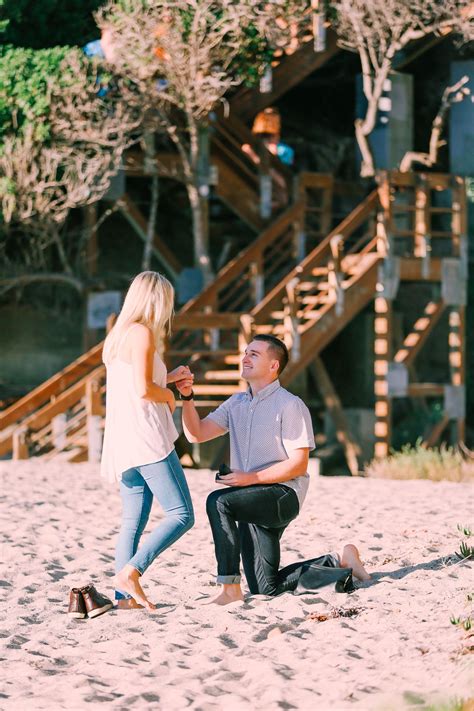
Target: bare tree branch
column 451, row 95
column 378, row 29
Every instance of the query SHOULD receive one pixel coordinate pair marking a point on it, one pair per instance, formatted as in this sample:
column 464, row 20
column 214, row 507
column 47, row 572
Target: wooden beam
column 436, row 432
column 418, row 336
column 425, row 390
column 411, row 269
column 196, row 320
column 333, row 405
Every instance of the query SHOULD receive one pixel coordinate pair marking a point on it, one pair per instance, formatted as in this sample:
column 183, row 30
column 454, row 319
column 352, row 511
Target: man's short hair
column 277, row 348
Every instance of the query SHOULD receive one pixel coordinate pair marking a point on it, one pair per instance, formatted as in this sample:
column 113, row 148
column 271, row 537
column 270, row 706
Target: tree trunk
column 150, row 233
column 367, row 166
column 61, row 251
column 198, row 193
column 365, row 126
column 199, row 209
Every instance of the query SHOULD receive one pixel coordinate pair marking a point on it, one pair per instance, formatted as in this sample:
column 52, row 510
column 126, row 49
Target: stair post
column 20, row 443
column 292, row 336
column 386, row 291
column 246, row 332
column 257, row 279
column 265, row 182
column 94, row 419
column 319, row 28
column 336, row 291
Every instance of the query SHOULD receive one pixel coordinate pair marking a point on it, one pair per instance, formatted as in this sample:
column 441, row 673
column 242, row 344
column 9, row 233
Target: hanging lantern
column 267, row 122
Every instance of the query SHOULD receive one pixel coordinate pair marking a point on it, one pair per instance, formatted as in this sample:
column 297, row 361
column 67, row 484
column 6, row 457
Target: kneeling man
column 271, row 436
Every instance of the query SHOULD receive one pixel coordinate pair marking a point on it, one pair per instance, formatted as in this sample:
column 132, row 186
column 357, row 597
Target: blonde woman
column 139, row 434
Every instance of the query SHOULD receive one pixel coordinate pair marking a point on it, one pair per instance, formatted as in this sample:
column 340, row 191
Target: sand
column 390, row 647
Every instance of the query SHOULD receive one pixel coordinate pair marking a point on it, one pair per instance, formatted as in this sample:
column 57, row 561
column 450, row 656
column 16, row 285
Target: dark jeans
column 248, row 522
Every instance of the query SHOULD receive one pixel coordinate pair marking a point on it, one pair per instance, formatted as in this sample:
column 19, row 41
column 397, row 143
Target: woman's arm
column 142, row 348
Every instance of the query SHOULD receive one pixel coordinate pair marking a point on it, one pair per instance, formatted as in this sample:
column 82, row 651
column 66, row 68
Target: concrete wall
column 35, row 344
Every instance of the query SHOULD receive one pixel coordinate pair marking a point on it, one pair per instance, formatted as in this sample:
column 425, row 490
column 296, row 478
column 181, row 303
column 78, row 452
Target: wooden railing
column 424, row 215
column 51, row 388
column 50, row 427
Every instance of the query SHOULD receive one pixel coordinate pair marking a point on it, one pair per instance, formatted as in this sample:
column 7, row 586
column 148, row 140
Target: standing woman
column 140, row 434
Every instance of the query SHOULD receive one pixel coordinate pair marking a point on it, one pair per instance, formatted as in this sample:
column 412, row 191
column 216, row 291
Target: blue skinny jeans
column 166, row 481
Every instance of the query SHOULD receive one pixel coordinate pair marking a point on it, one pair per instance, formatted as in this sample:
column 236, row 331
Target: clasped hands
column 183, row 378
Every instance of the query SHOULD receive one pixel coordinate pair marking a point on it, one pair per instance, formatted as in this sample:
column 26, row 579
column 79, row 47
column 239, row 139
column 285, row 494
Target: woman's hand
column 179, row 373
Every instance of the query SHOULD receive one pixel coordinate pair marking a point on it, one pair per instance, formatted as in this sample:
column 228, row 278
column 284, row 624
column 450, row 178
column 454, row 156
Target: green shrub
column 27, row 78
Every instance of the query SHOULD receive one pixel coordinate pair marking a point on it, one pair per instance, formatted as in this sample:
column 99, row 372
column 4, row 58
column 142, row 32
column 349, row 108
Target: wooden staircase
column 301, row 282
column 271, row 288
column 288, row 70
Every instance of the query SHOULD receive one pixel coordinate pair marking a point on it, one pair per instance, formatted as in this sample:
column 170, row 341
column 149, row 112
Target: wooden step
column 233, row 359
column 310, row 300
column 216, row 389
column 222, row 375
column 215, row 355
column 307, row 285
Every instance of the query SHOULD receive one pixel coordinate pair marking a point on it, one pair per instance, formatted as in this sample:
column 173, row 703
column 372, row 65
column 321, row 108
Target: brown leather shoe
column 95, row 603
column 77, row 607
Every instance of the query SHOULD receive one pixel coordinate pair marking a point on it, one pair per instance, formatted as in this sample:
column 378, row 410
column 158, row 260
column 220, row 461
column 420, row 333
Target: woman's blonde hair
column 149, row 301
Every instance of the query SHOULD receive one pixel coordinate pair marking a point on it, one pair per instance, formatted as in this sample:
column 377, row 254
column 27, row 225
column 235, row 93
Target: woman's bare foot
column 230, row 593
column 350, row 559
column 128, row 603
column 127, row 580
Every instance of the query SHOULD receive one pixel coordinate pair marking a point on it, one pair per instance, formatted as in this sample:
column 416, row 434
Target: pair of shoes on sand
column 86, row 601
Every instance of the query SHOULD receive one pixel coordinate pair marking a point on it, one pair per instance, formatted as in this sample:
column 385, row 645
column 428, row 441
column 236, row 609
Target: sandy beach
column 389, row 645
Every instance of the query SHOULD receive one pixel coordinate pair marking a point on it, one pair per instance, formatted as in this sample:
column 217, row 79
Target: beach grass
column 418, row 462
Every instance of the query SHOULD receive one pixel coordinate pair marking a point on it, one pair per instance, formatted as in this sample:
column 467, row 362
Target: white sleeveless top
column 137, row 431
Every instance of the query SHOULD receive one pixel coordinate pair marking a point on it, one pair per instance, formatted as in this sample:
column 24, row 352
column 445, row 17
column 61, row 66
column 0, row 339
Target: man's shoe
column 77, row 607
column 95, row 603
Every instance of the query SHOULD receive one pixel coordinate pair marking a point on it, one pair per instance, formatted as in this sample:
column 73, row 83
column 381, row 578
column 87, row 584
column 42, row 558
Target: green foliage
column 27, row 79
column 464, row 622
column 466, row 551
column 47, row 23
column 418, row 462
column 255, row 53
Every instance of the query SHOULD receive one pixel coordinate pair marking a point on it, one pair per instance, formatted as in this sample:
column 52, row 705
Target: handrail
column 52, row 387
column 319, row 253
column 63, row 402
column 237, row 265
